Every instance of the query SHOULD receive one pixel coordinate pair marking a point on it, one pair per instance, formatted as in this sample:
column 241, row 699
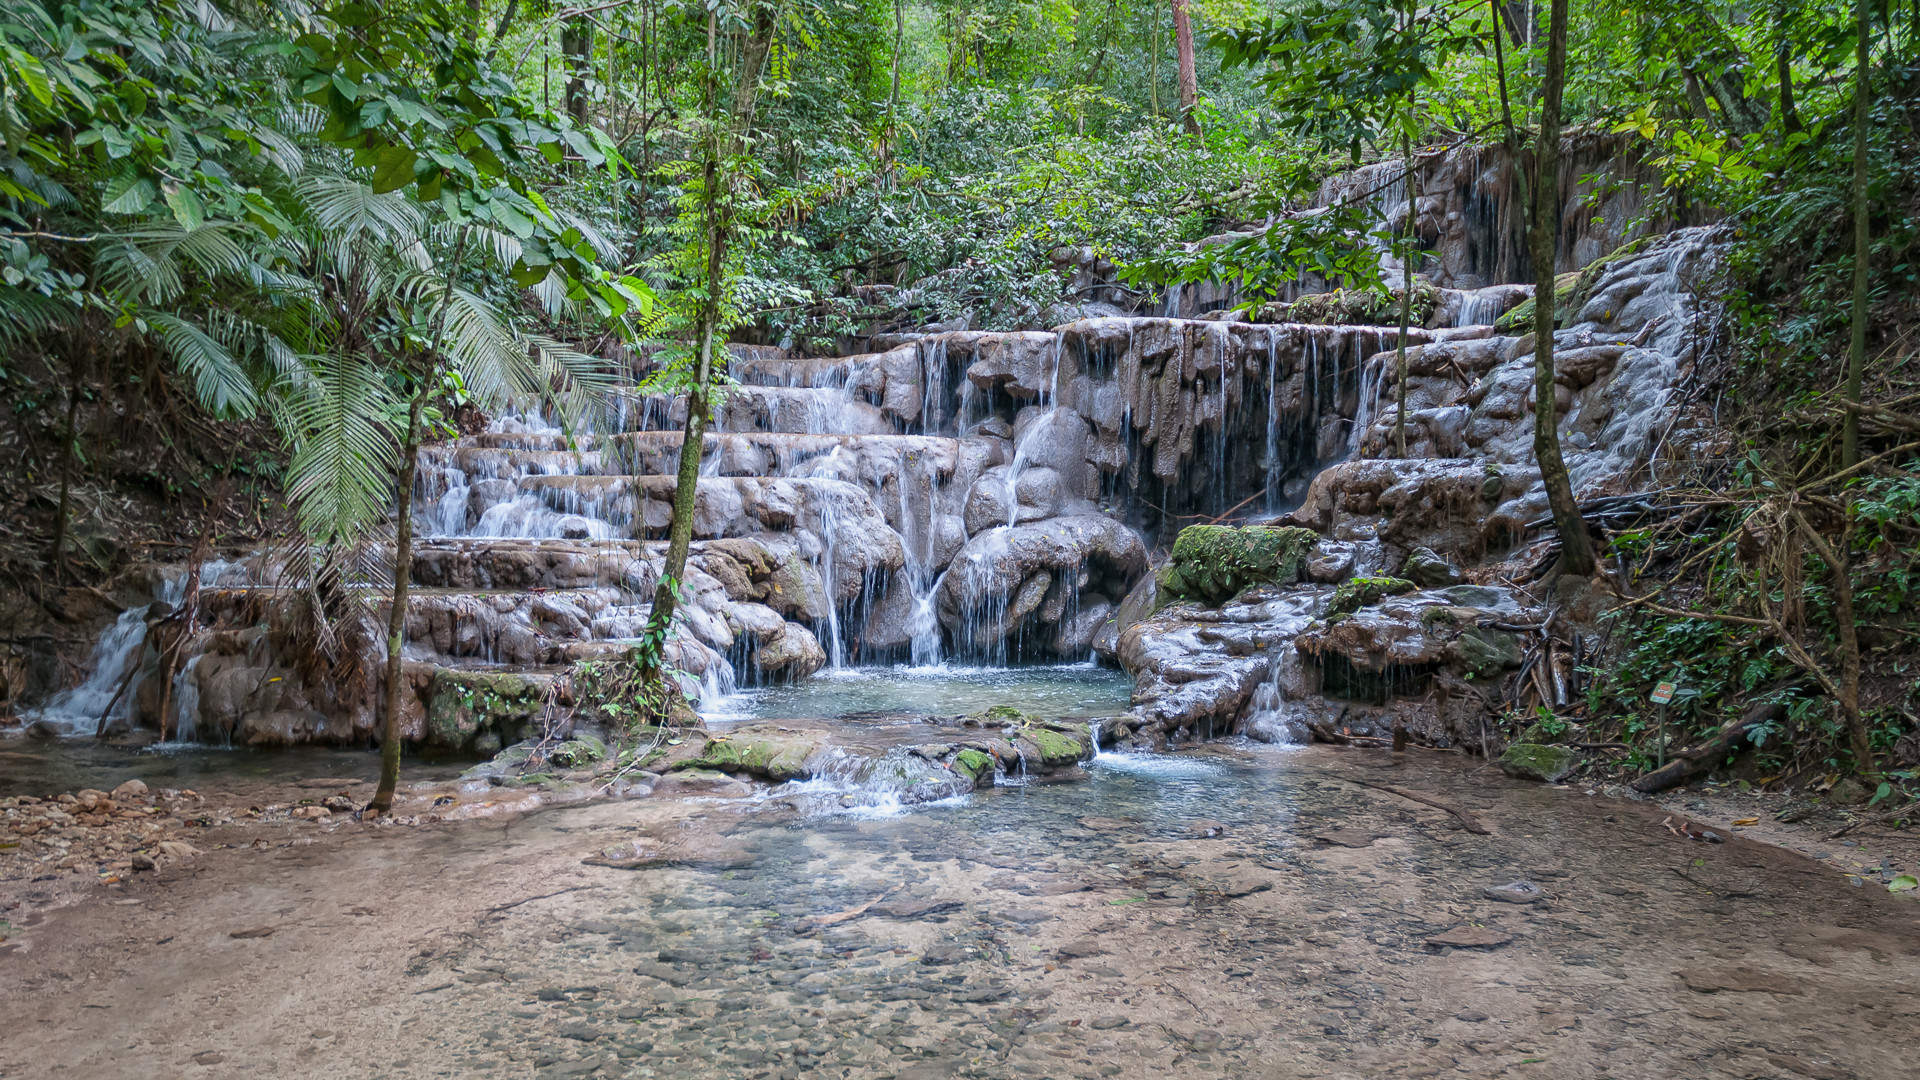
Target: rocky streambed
column 1233, row 910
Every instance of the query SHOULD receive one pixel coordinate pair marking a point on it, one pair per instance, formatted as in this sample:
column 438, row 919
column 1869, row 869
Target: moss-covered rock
column 1214, row 563
column 462, row 705
column 773, row 754
column 1355, row 307
column 1355, row 593
column 1061, row 747
column 1533, row 761
column 578, row 752
column 1000, row 714
column 1482, row 653
column 975, row 765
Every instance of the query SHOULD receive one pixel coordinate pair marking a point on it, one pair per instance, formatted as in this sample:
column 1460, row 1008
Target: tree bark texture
column 1576, row 545
column 1862, row 238
column 1189, row 81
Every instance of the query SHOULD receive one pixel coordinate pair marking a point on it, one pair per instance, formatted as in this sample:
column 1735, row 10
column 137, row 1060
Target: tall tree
column 1576, row 544
column 1862, row 233
column 725, row 126
column 1189, row 80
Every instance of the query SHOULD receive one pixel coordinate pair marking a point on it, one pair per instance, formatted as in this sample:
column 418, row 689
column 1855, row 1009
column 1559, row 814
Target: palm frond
column 219, row 382
column 338, row 416
column 344, row 206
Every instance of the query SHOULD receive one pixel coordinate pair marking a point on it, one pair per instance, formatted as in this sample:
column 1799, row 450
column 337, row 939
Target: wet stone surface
column 1091, row 930
column 1229, row 911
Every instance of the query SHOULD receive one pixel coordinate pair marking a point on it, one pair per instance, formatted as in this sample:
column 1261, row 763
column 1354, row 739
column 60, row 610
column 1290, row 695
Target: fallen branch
column 542, row 896
column 1689, row 764
column 1874, row 820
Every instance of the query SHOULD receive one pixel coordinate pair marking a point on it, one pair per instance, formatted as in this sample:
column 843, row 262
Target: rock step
column 795, row 410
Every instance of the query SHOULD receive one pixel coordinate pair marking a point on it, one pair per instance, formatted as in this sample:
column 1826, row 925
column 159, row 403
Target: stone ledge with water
column 964, row 510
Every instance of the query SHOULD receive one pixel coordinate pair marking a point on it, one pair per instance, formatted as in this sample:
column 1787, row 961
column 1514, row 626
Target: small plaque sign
column 1663, row 693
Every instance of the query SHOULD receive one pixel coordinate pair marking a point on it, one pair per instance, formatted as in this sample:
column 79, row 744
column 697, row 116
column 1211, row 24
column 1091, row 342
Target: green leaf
column 28, row 69
column 510, row 218
column 1903, row 883
column 128, row 193
column 187, row 208
column 394, row 169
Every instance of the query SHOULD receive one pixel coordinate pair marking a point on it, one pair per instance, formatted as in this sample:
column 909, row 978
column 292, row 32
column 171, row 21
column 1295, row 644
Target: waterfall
column 121, row 651
column 76, row 711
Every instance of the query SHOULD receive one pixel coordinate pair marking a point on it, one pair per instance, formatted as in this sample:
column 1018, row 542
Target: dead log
column 1690, row 764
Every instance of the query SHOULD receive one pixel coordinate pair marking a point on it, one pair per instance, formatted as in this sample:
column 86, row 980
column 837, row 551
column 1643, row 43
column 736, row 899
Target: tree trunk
column 1576, row 546
column 1783, row 56
column 1838, row 558
column 403, row 547
column 1153, row 64
column 576, row 43
column 1406, row 305
column 1862, row 240
column 397, row 618
column 500, row 28
column 56, row 551
column 706, row 329
column 1189, row 82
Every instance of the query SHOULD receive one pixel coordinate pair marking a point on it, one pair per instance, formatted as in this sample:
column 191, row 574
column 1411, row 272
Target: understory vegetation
column 254, row 253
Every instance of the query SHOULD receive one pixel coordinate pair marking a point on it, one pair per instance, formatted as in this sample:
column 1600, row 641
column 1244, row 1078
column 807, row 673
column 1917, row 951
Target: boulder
column 1213, row 563
column 1547, row 764
column 1355, row 593
column 1425, row 568
column 1006, row 577
column 465, row 705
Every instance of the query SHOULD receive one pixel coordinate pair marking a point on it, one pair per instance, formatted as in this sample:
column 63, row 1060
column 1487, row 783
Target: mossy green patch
column 1059, row 747
column 776, row 757
column 1355, row 307
column 463, row 704
column 1532, row 761
column 977, row 765
column 1214, row 563
column 1356, row 593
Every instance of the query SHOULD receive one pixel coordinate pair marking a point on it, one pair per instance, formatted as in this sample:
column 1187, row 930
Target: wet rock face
column 1213, row 563
column 1011, row 589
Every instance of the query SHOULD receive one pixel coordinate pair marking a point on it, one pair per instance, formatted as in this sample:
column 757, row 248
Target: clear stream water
column 1240, row 911
column 46, row 767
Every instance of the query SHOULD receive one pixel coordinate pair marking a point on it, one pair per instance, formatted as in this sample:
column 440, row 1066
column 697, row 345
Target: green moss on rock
column 1547, row 764
column 463, row 704
column 775, row 756
column 1356, row 593
column 1214, row 563
column 1482, row 653
column 1060, row 747
column 976, row 765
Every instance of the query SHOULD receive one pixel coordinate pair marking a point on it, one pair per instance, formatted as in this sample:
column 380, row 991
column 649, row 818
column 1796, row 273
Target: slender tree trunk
column 1189, row 82
column 397, row 618
column 403, row 548
column 1153, row 64
column 500, row 28
column 1576, row 545
column 1406, row 304
column 714, row 230
column 893, row 98
column 1862, row 239
column 576, row 43
column 1847, row 630
column 1783, row 57
column 56, row 551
